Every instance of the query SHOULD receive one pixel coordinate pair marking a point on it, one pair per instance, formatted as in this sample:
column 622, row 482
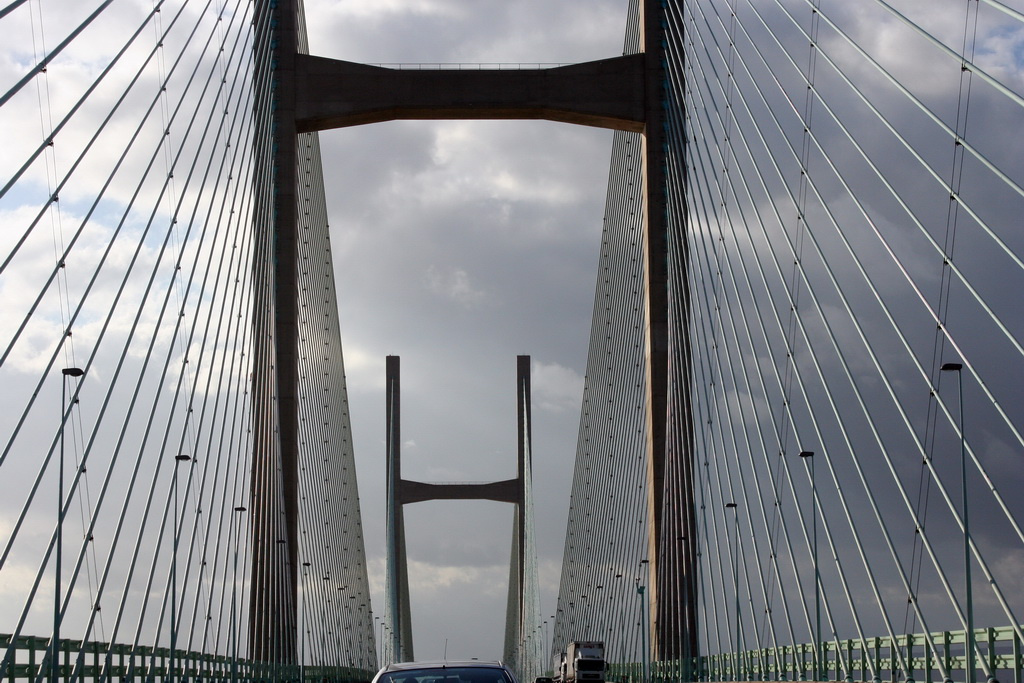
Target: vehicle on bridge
column 472, row 671
column 558, row 667
column 582, row 662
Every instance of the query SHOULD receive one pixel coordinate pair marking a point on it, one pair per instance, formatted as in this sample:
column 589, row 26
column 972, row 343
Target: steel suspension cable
column 820, row 149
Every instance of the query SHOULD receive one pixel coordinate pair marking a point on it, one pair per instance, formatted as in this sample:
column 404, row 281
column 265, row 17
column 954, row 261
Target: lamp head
column 952, row 367
column 72, row 372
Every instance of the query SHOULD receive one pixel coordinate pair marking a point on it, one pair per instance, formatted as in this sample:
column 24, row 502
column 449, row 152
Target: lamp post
column 809, row 455
column 302, row 656
column 546, row 651
column 736, row 579
column 969, row 670
column 65, row 373
column 180, row 458
column 234, row 591
column 551, row 642
column 643, row 630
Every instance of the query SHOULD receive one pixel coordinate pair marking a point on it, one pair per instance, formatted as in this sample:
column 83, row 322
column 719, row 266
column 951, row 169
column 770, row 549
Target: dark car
column 473, row 671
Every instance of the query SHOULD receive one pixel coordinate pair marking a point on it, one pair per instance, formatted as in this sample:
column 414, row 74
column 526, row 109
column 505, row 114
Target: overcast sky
column 459, row 245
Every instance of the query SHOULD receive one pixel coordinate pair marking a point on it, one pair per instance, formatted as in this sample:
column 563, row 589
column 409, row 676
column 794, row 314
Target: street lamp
column 809, row 455
column 302, row 658
column 643, row 630
column 65, row 373
column 180, row 458
column 969, row 672
column 377, row 648
column 546, row 651
column 736, row 580
column 234, row 591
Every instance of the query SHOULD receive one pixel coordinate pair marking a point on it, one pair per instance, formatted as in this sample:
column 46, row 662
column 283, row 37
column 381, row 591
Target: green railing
column 874, row 659
column 96, row 661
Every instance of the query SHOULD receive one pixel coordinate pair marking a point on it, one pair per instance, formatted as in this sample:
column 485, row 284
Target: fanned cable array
column 844, row 420
column 605, row 561
column 144, row 492
column 338, row 627
column 338, row 618
column 849, row 238
column 604, row 568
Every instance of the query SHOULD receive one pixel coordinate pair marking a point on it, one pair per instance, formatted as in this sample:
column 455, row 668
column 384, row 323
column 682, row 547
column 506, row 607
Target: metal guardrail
column 116, row 663
column 874, row 660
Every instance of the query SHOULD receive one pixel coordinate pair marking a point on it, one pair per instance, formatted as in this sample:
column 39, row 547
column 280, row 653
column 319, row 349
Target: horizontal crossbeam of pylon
column 507, row 491
column 607, row 93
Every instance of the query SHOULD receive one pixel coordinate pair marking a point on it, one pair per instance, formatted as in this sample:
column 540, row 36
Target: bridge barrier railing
column 875, row 659
column 117, row 663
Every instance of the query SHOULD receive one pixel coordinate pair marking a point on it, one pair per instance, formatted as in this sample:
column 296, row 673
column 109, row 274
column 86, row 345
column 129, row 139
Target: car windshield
column 446, row 675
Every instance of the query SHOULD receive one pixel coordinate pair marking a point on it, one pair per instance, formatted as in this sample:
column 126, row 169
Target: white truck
column 558, row 669
column 583, row 662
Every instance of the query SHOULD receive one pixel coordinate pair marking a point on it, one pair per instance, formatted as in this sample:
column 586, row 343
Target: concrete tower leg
column 672, row 624
column 515, row 615
column 274, row 491
column 397, row 563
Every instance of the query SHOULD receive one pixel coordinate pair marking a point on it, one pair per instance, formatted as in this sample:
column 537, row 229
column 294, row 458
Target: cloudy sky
column 459, row 245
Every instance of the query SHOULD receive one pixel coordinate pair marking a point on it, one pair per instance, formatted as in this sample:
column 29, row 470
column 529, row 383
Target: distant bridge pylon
column 521, row 615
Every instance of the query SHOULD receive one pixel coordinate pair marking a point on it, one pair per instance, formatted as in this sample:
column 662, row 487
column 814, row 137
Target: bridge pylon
column 624, row 93
column 402, row 492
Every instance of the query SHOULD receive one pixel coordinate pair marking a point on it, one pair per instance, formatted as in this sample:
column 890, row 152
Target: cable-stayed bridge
column 800, row 440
